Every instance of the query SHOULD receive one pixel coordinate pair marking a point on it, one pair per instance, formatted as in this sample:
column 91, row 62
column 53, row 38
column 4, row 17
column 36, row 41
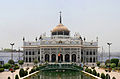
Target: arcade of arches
column 66, row 55
column 60, row 58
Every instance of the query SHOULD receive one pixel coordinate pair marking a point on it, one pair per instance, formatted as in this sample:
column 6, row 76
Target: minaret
column 60, row 17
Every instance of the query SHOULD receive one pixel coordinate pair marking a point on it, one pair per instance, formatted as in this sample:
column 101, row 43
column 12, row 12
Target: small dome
column 59, row 28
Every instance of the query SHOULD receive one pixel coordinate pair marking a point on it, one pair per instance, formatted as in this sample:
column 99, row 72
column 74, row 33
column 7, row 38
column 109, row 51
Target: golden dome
column 60, row 28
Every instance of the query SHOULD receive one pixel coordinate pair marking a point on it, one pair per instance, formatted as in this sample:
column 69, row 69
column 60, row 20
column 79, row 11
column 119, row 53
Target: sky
column 31, row 18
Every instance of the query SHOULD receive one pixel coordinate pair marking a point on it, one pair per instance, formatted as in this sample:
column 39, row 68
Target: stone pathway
column 5, row 75
column 112, row 74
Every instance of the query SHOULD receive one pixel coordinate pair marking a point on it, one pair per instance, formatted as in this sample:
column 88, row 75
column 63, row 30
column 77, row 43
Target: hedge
column 102, row 75
column 1, row 69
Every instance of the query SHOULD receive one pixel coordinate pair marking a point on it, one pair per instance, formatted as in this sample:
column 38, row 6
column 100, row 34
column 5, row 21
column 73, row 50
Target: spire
column 60, row 17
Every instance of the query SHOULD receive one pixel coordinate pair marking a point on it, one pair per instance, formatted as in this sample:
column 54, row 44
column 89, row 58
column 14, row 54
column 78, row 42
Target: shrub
column 89, row 71
column 86, row 70
column 102, row 75
column 26, row 72
column 113, row 78
column 118, row 64
column 103, row 66
column 98, row 64
column 94, row 72
column 107, row 61
column 21, row 62
column 7, row 66
column 98, row 74
column 108, row 65
column 112, row 65
column 37, row 68
column 22, row 72
column 32, row 70
column 9, row 78
column 107, row 76
column 1, row 69
column 16, row 67
column 35, row 62
column 16, row 77
column 11, row 61
column 115, row 60
column 1, row 66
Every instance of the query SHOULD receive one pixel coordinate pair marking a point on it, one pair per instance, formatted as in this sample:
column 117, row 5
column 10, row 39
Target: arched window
column 94, row 59
column 73, row 58
column 60, row 58
column 81, row 59
column 90, row 52
column 67, row 58
column 26, row 53
column 47, row 57
column 29, row 59
column 87, row 52
column 29, row 52
column 90, row 59
column 53, row 57
column 33, row 53
column 39, row 58
column 38, row 52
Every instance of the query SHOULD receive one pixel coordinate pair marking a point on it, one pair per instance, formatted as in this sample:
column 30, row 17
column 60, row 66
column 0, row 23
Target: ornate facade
column 61, row 47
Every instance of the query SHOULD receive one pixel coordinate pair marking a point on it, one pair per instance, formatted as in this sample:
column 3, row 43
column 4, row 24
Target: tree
column 98, row 63
column 1, row 69
column 113, row 65
column 21, row 62
column 7, row 66
column 35, row 62
column 26, row 72
column 107, row 61
column 16, row 77
column 11, row 61
column 102, row 75
column 118, row 64
column 115, row 60
column 1, row 66
column 94, row 72
column 22, row 72
column 107, row 76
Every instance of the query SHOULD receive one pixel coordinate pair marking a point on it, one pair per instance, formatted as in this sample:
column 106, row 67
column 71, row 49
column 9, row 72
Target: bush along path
column 94, row 72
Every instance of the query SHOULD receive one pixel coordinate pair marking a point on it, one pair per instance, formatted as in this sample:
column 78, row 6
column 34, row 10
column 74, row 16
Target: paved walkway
column 112, row 74
column 5, row 75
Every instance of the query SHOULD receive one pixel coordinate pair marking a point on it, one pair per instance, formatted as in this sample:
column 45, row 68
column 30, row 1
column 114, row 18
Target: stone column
column 50, row 55
column 63, row 57
column 70, row 55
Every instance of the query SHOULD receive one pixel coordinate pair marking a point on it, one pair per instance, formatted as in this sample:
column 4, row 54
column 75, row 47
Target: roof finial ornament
column 60, row 17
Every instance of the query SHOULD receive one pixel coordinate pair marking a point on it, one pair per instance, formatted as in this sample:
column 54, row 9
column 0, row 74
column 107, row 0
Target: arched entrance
column 53, row 57
column 67, row 58
column 29, row 59
column 90, row 59
column 47, row 57
column 73, row 58
column 60, row 58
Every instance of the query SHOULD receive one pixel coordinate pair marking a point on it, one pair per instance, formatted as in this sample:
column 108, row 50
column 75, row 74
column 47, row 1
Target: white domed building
column 61, row 47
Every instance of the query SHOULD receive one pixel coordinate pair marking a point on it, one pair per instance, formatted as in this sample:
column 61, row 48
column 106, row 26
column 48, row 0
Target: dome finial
column 60, row 17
